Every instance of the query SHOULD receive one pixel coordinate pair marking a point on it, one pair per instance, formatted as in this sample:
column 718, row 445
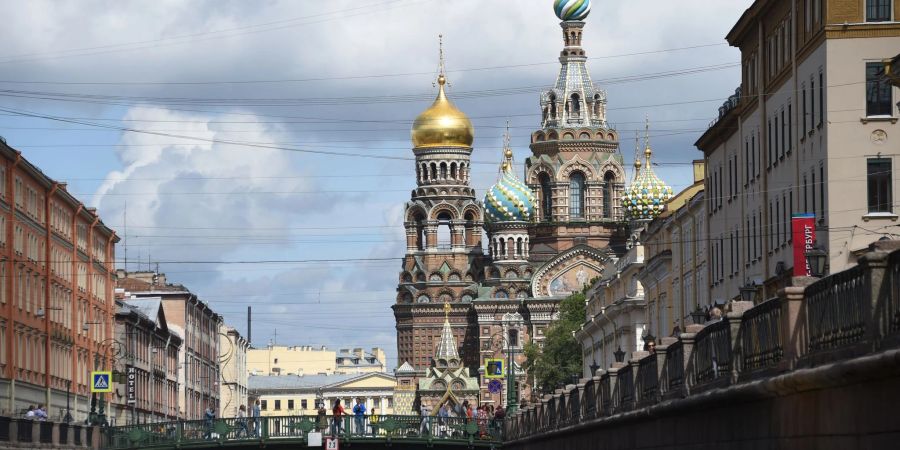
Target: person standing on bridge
column 255, row 413
column 359, row 411
column 337, row 417
column 425, row 427
column 321, row 417
column 210, row 415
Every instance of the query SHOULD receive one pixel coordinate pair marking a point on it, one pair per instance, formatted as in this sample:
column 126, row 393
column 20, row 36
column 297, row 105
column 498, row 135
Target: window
column 803, row 118
column 576, row 195
column 878, row 176
column 822, row 98
column 608, row 180
column 790, row 130
column 303, row 404
column 290, row 404
column 878, row 10
column 513, row 338
column 546, row 197
column 783, row 134
column 812, row 103
column 878, row 91
column 771, row 144
column 264, row 405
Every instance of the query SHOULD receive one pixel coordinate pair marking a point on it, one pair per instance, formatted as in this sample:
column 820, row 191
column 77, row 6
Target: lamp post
column 619, row 354
column 748, row 291
column 816, row 257
column 698, row 315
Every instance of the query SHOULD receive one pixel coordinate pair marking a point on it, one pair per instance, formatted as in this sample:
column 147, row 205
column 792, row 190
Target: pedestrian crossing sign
column 101, row 381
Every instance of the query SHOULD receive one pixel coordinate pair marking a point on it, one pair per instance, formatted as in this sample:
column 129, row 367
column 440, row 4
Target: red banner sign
column 803, row 228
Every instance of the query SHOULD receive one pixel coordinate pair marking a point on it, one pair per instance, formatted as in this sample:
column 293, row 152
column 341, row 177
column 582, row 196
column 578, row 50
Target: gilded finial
column 647, row 151
column 442, row 76
column 637, row 150
column 446, row 311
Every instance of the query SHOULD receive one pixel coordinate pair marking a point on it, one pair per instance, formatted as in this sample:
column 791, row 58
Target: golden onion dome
column 442, row 124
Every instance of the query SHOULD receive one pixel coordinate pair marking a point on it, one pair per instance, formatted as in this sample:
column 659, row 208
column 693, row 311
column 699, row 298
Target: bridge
column 294, row 431
column 817, row 367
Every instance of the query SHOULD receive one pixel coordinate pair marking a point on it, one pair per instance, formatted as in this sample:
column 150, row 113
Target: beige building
column 290, row 395
column 810, row 130
column 307, row 360
column 233, row 367
column 675, row 267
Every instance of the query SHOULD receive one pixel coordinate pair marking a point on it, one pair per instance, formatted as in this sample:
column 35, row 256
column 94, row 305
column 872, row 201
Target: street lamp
column 698, row 315
column 594, row 367
column 748, row 291
column 816, row 257
column 619, row 355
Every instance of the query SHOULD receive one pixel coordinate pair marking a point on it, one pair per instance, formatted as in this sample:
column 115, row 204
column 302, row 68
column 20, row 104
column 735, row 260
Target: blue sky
column 340, row 76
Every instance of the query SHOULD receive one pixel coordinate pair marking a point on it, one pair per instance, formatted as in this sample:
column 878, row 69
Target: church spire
column 446, row 352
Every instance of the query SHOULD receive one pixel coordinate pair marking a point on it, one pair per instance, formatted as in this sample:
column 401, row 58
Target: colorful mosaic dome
column 509, row 200
column 572, row 9
column 647, row 195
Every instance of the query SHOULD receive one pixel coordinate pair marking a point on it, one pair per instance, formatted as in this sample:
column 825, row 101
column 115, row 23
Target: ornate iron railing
column 673, row 370
column 387, row 428
column 624, row 391
column 647, row 381
column 761, row 337
column 836, row 309
column 712, row 352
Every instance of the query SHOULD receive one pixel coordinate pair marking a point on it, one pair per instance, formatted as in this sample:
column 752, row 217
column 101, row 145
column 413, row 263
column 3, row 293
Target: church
column 461, row 302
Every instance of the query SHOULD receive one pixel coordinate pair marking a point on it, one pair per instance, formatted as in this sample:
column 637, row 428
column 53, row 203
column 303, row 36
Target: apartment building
column 809, row 130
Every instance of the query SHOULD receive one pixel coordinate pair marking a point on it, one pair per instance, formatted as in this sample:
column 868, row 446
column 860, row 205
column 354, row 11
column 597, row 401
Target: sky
column 258, row 151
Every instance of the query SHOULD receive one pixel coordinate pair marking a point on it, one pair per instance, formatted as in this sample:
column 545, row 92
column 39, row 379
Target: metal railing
column 836, row 309
column 388, row 428
column 712, row 353
column 761, row 337
column 847, row 314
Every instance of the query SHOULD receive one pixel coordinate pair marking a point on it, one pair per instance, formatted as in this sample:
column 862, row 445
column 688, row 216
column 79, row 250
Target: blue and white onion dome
column 647, row 195
column 509, row 200
column 572, row 9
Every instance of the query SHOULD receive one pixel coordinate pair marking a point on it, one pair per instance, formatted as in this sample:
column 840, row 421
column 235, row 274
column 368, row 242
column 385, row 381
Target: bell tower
column 443, row 223
column 575, row 169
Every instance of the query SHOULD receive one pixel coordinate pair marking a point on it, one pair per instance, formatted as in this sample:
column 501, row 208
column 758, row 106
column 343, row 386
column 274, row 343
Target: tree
column 560, row 357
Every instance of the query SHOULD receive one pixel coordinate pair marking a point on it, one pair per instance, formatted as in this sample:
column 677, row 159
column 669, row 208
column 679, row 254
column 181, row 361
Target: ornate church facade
column 547, row 236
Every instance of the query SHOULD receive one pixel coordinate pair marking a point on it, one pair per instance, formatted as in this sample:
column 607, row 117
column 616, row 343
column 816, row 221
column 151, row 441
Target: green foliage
column 561, row 356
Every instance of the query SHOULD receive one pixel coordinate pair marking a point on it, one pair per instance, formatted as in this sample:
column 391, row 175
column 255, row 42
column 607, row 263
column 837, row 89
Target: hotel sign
column 131, row 384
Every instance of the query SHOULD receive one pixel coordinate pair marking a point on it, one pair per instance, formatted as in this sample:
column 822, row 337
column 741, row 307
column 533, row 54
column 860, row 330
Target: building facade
column 304, row 360
column 547, row 235
column 190, row 317
column 808, row 131
column 233, row 365
column 289, row 395
column 56, row 292
column 146, row 364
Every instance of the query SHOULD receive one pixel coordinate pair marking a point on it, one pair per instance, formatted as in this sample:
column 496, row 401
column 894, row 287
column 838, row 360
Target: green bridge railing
column 295, row 430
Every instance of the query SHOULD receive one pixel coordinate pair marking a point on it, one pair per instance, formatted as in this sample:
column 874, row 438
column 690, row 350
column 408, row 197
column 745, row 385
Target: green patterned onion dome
column 647, row 195
column 509, row 200
column 572, row 9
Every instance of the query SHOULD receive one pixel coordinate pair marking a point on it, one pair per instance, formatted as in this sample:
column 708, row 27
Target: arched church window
column 519, row 250
column 546, row 197
column 433, row 171
column 443, row 171
column 511, row 274
column 501, row 294
column 453, row 277
column 576, row 195
column 406, row 298
column 445, row 298
column 420, row 277
column 423, row 299
column 443, row 231
column 608, row 180
column 552, row 101
column 435, row 277
column 513, row 338
column 466, row 298
column 407, row 277
column 453, row 170
column 597, row 105
column 576, row 105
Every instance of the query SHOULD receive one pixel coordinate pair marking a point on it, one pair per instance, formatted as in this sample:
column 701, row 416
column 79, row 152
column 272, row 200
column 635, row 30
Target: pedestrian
column 242, row 422
column 443, row 419
column 30, row 413
column 321, row 417
column 41, row 413
column 337, row 417
column 209, row 416
column 255, row 413
column 425, row 426
column 482, row 420
column 359, row 411
column 373, row 421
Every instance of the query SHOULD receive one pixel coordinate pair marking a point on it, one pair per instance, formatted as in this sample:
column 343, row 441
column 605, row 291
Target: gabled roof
column 405, row 368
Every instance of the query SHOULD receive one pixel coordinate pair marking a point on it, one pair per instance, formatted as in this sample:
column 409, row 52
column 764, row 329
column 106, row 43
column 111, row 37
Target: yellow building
column 307, row 360
column 291, row 395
